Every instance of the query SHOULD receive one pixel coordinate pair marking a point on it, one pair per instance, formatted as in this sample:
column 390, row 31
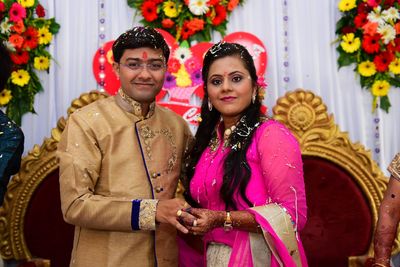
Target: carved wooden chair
column 344, row 186
column 32, row 228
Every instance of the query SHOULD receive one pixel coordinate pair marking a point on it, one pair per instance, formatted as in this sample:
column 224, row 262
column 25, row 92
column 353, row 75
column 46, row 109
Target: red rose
column 348, row 29
column 2, row 7
column 149, row 10
column 40, row 11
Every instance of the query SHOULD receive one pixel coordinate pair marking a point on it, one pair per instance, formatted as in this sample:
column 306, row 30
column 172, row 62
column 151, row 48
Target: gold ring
column 195, row 223
column 179, row 213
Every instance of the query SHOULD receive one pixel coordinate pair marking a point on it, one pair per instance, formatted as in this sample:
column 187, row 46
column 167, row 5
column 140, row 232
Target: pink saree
column 276, row 189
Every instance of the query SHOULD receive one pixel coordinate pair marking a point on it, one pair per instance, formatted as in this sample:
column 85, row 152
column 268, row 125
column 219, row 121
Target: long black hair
column 236, row 169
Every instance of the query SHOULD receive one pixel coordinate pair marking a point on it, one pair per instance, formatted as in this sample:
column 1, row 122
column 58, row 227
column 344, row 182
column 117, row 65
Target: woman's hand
column 206, row 220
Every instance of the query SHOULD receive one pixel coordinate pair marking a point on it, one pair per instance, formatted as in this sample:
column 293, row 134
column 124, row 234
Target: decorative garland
column 192, row 20
column 369, row 36
column 26, row 34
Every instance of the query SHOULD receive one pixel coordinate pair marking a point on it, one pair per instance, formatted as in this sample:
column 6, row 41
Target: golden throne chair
column 32, row 228
column 344, row 186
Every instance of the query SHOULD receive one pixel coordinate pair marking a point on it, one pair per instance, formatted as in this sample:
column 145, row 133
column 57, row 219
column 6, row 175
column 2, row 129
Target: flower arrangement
column 26, row 34
column 191, row 20
column 369, row 36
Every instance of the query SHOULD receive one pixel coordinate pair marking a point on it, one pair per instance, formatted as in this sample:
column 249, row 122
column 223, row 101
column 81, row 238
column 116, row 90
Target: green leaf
column 342, row 22
column 385, row 103
column 54, row 26
column 366, row 82
column 345, row 59
column 132, row 3
column 395, row 81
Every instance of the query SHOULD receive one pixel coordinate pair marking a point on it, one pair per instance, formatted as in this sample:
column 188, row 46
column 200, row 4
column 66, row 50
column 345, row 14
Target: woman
column 244, row 171
column 389, row 217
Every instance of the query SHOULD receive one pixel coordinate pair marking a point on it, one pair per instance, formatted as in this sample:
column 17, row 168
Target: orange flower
column 18, row 26
column 16, row 40
column 196, row 24
column 167, row 23
column 397, row 27
column 232, row 4
column 370, row 28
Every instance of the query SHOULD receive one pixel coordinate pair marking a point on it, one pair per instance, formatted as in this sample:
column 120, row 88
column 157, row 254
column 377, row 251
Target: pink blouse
column 276, row 177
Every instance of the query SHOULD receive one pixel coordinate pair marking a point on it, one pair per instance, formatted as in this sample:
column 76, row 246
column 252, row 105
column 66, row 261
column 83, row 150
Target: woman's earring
column 209, row 105
column 253, row 99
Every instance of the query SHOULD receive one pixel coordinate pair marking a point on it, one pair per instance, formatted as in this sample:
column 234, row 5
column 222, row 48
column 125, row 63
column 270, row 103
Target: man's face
column 141, row 73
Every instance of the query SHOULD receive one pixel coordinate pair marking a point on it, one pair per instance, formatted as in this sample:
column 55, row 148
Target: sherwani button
column 159, row 189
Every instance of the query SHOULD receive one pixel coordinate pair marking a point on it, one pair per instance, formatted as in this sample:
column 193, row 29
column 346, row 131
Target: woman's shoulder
column 270, row 128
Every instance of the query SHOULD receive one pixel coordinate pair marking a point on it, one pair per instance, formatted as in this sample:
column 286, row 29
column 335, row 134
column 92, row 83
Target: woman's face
column 230, row 88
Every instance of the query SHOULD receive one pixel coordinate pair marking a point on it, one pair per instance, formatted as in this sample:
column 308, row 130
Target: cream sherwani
column 108, row 158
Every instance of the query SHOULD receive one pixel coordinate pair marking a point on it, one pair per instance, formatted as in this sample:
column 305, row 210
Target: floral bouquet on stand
column 26, row 34
column 191, row 20
column 369, row 37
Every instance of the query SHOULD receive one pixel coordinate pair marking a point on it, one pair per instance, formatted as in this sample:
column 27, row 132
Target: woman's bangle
column 379, row 265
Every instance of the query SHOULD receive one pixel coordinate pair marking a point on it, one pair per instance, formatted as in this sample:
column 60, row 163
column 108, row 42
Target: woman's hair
column 236, row 169
column 138, row 37
column 5, row 65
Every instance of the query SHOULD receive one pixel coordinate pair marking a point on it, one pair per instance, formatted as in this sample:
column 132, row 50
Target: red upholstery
column 339, row 219
column 46, row 234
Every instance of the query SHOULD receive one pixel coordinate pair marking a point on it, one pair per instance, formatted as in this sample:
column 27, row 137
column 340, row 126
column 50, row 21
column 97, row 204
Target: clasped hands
column 186, row 219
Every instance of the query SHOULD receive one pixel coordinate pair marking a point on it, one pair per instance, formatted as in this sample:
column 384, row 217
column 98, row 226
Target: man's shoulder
column 169, row 115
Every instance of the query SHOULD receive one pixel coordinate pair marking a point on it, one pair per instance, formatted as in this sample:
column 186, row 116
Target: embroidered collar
column 136, row 106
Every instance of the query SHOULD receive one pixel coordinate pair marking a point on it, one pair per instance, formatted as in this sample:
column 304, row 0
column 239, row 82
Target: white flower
column 198, row 7
column 388, row 33
column 391, row 14
column 376, row 16
column 182, row 54
column 5, row 27
column 9, row 46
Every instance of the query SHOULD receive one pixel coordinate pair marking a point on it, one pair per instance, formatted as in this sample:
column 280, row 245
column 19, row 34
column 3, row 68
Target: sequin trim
column 147, row 214
column 394, row 167
column 136, row 106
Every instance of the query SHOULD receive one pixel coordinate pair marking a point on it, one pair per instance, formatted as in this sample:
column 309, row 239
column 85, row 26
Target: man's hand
column 172, row 211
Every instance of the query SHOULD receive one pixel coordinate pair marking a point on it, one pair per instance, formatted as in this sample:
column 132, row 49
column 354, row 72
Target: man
column 11, row 136
column 389, row 217
column 120, row 159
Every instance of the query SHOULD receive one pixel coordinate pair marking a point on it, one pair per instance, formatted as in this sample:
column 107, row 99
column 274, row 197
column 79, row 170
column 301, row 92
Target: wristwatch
column 228, row 222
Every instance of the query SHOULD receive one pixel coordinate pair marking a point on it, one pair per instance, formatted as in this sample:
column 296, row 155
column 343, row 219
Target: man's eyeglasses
column 137, row 65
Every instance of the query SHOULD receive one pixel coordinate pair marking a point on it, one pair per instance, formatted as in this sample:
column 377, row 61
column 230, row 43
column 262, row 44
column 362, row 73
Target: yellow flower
column 44, row 35
column 182, row 77
column 26, row 3
column 20, row 77
column 366, row 68
column 41, row 63
column 5, row 97
column 346, row 5
column 171, row 9
column 380, row 88
column 349, row 43
column 394, row 66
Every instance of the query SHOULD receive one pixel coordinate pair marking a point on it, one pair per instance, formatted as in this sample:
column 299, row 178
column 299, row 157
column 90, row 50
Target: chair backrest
column 31, row 222
column 344, row 186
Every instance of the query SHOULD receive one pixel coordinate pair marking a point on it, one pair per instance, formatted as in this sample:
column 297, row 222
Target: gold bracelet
column 379, row 265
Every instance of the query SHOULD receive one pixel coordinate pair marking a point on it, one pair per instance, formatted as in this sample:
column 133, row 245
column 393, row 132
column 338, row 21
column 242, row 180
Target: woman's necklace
column 227, row 134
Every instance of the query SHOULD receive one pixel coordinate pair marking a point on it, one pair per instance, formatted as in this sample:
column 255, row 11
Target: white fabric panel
column 312, row 59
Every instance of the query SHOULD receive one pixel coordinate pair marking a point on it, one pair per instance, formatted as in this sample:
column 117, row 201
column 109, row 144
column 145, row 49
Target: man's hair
column 5, row 66
column 139, row 37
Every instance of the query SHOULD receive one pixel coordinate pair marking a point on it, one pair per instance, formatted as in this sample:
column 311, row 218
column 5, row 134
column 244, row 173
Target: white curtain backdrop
column 311, row 56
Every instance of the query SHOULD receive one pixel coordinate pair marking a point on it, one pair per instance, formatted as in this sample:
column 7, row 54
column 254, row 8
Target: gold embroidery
column 394, row 167
column 136, row 106
column 147, row 134
column 147, row 214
